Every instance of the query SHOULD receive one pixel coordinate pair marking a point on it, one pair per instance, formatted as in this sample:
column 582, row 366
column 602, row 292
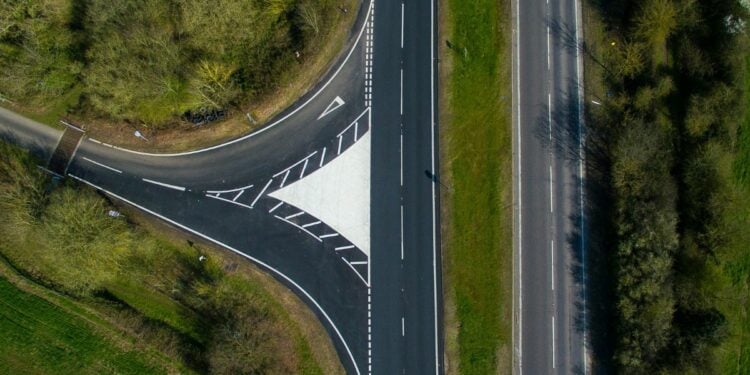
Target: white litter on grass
column 338, row 194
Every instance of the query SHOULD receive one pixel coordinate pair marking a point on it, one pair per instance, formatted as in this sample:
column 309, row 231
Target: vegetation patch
column 159, row 64
column 476, row 149
column 178, row 299
column 666, row 158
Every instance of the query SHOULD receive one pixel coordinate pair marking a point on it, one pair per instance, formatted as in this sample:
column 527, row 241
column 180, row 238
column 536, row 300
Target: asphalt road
column 381, row 306
column 549, row 290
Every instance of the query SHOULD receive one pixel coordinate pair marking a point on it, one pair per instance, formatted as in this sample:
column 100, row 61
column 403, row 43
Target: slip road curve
column 363, row 254
column 549, row 303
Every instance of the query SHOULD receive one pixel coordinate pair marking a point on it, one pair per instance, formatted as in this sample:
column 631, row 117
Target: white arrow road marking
column 335, row 104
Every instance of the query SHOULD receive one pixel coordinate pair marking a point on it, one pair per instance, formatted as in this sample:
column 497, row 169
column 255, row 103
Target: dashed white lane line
column 102, row 165
column 552, row 256
column 402, row 25
column 402, row 232
column 403, row 327
column 401, row 102
column 261, row 193
column 551, row 199
column 168, row 186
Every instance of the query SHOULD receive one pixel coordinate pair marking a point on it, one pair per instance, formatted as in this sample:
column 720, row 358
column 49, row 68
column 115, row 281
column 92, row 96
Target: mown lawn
column 39, row 337
column 477, row 154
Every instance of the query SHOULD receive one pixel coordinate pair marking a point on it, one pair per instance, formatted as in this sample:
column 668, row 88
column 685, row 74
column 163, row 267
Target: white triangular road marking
column 338, row 194
column 335, row 104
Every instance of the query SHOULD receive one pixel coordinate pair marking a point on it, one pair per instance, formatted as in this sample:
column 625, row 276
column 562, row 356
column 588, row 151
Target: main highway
column 336, row 197
column 550, row 304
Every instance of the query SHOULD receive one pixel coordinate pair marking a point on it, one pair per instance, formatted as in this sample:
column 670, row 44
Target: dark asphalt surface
column 550, row 298
column 406, row 288
column 208, row 194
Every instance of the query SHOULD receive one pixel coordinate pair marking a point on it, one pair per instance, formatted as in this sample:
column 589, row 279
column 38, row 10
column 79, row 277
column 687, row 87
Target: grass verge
column 476, row 163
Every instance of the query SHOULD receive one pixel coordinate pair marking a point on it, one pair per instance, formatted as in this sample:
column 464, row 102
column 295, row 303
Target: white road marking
column 275, row 207
column 168, row 186
column 339, row 150
column 228, row 201
column 257, row 261
column 298, row 227
column 228, row 191
column 237, row 196
column 261, row 193
column 519, row 314
column 355, row 271
column 311, row 224
column 102, row 165
column 402, row 25
column 302, row 173
column 322, row 158
column 292, row 216
column 344, row 247
column 297, row 163
column 402, row 232
column 434, row 195
column 329, row 235
column 548, row 49
column 551, row 202
column 359, row 262
column 401, row 154
column 283, row 181
column 403, row 327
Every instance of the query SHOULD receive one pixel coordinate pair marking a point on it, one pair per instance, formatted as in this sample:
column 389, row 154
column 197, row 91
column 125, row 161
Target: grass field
column 218, row 315
column 41, row 337
column 476, row 149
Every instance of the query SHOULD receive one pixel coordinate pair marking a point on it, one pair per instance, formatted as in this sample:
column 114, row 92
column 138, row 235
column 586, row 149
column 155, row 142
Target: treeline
column 152, row 60
column 664, row 136
column 178, row 300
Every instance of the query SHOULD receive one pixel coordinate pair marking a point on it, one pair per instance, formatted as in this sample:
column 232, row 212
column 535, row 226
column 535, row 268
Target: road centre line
column 237, row 196
column 168, row 186
column 261, row 193
column 402, row 25
column 102, row 165
column 298, row 227
column 257, row 261
column 275, row 207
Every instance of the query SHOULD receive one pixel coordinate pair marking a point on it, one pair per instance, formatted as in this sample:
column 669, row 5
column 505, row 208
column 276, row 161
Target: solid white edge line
column 265, row 128
column 257, row 261
column 434, row 196
column 174, row 187
column 518, row 328
column 581, row 171
column 101, row 165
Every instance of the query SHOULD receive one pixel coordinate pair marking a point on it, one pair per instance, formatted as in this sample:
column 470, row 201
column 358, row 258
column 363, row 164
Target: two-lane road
column 549, row 290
